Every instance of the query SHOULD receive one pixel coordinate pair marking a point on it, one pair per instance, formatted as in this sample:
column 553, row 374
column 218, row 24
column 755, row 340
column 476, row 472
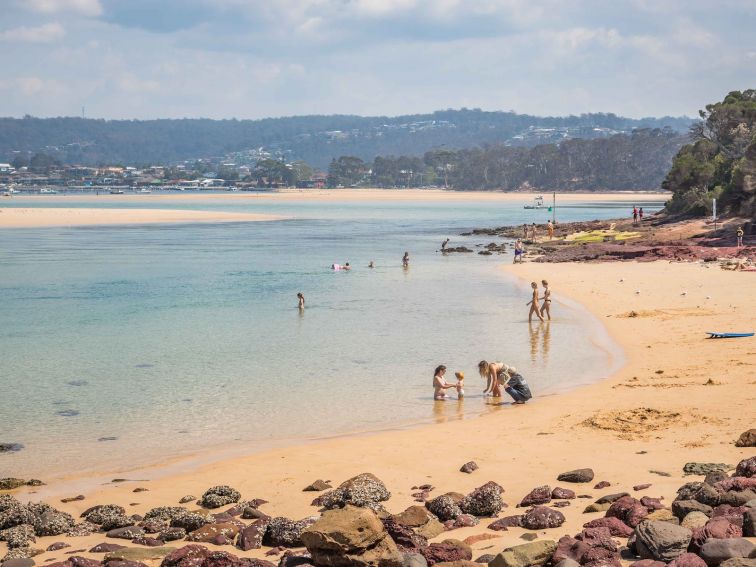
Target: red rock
column 502, row 524
column 187, row 556
column 615, row 526
column 602, row 484
column 560, row 493
column 627, row 509
column 651, row 504
column 539, row 495
column 648, row 563
column 638, row 487
column 687, row 560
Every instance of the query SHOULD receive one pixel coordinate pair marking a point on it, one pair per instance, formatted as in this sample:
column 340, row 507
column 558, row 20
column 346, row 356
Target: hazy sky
column 259, row 58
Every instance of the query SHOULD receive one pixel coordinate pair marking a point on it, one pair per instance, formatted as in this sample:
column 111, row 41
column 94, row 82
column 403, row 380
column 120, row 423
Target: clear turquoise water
column 178, row 339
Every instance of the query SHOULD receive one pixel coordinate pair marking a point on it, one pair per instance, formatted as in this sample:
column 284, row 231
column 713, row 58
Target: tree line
column 623, row 162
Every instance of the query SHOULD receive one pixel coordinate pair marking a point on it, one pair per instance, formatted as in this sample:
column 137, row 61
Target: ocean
column 128, row 345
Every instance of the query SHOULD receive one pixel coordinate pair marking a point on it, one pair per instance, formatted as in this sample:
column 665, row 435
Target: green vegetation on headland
column 720, row 162
column 623, row 162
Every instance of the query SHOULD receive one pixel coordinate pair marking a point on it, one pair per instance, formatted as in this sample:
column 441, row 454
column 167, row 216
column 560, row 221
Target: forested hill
column 314, row 139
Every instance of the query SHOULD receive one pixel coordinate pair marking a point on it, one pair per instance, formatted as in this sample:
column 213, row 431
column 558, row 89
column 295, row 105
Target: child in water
column 460, row 384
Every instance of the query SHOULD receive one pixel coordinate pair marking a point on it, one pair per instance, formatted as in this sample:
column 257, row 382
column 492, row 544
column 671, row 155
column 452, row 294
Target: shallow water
column 130, row 345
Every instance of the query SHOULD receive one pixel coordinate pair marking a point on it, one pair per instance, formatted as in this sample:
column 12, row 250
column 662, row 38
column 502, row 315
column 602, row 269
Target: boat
column 537, row 203
column 47, row 191
column 116, row 192
column 144, row 191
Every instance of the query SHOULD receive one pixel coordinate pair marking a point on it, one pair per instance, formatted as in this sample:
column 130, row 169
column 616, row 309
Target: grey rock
column 20, row 562
column 52, row 523
column 716, row 551
column 747, row 439
column 542, row 517
column 18, row 536
column 738, row 562
column 186, row 499
column 530, row 554
column 128, row 532
column 444, row 507
column 285, row 532
column 100, row 514
column 483, row 501
column 661, row 541
column 681, row 508
column 703, row 469
column 414, row 560
column 469, row 467
column 364, row 490
column 694, row 520
column 578, row 475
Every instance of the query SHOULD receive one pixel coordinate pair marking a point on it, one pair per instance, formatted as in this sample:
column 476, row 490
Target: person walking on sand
column 635, row 215
column 443, row 245
column 405, row 260
column 514, row 384
column 490, row 371
column 439, row 384
column 534, row 303
column 550, row 229
column 739, row 233
column 301, row 299
column 518, row 252
column 546, row 306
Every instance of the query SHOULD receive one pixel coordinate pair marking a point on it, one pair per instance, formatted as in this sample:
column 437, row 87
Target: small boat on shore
column 116, row 192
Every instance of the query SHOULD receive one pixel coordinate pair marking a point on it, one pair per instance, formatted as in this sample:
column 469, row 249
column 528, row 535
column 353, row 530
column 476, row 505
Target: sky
column 267, row 58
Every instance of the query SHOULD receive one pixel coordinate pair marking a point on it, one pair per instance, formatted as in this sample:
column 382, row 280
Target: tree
column 42, row 163
column 20, row 160
column 346, row 171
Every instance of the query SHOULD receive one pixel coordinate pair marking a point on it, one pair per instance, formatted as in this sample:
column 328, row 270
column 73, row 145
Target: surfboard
column 728, row 335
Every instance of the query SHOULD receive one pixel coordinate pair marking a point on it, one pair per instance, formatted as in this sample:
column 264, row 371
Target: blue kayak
column 728, row 335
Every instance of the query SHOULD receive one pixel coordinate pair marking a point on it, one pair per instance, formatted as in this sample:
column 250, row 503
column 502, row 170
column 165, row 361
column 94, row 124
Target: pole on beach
column 714, row 212
column 553, row 208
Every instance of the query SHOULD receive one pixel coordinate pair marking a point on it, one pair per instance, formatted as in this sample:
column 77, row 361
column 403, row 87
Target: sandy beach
column 680, row 397
column 38, row 217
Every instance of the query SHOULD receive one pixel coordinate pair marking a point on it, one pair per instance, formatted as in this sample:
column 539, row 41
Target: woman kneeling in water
column 440, row 385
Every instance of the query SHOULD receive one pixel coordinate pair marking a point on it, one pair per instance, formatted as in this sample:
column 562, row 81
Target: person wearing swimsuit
column 534, row 304
column 490, row 371
column 405, row 260
column 301, row 299
column 546, row 307
column 439, row 384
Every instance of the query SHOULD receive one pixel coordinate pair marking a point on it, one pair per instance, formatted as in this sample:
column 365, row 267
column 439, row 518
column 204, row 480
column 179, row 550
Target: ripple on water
column 144, row 365
column 67, row 413
column 77, row 383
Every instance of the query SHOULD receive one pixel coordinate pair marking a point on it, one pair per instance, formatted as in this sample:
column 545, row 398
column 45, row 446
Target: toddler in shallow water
column 460, row 384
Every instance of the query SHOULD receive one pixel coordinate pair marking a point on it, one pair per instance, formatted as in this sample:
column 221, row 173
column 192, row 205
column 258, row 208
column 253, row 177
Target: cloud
column 45, row 33
column 83, row 7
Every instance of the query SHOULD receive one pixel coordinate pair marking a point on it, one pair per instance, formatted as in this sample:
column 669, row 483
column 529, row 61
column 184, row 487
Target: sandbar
column 39, row 217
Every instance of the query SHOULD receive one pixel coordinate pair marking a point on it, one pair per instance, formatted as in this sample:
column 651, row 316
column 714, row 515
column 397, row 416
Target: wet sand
column 38, row 217
column 679, row 398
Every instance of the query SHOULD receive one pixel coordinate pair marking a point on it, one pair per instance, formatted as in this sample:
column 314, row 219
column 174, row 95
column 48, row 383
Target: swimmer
column 301, row 299
column 405, row 260
column 371, row 264
column 443, row 245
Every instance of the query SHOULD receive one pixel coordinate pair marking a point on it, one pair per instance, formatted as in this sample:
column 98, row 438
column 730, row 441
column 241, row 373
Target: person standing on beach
column 534, row 303
column 534, row 234
column 518, row 252
column 546, row 307
column 443, row 245
column 301, row 299
column 635, row 215
column 739, row 233
column 439, row 384
column 525, row 231
column 640, row 215
column 550, row 229
column 405, row 260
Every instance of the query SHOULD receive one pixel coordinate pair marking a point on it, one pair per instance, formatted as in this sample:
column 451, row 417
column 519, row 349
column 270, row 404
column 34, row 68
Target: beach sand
column 38, row 217
column 679, row 398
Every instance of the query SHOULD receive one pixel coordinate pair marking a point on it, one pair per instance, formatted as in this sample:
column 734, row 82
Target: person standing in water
column 490, row 371
column 443, row 245
column 405, row 260
column 546, row 306
column 534, row 304
column 301, row 299
column 440, row 385
column 640, row 215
